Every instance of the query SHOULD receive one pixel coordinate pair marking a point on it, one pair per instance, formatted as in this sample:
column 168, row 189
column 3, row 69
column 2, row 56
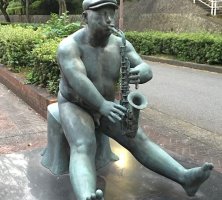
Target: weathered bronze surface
column 87, row 113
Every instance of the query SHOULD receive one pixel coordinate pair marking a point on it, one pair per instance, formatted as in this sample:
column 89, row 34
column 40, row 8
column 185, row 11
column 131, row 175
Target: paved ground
column 21, row 128
column 23, row 178
column 23, row 133
column 187, row 94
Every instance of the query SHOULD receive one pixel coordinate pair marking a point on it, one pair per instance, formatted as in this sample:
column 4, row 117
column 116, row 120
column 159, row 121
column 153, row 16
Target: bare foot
column 195, row 177
column 96, row 196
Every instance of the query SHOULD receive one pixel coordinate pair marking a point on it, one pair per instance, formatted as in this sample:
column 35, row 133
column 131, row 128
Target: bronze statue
column 91, row 61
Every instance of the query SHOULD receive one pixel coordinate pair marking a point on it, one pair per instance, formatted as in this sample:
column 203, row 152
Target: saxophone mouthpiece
column 117, row 32
column 112, row 28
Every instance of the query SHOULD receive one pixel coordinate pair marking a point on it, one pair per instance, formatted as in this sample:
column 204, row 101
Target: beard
column 102, row 33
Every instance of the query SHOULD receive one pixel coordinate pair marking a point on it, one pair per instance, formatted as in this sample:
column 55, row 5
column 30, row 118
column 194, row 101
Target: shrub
column 16, row 44
column 196, row 47
column 45, row 70
column 59, row 26
column 33, row 45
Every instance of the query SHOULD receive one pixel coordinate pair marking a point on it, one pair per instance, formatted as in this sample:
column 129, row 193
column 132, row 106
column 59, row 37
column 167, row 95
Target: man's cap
column 94, row 4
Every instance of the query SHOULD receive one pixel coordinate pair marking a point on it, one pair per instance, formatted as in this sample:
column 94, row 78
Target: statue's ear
column 85, row 16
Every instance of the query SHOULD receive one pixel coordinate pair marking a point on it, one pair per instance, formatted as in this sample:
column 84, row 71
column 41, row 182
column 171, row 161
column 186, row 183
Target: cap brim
column 93, row 7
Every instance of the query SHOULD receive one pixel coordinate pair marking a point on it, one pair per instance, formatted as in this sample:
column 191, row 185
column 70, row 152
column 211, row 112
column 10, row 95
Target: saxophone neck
column 119, row 33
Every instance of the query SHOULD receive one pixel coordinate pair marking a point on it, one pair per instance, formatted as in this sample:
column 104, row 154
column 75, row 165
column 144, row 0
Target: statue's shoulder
column 115, row 39
column 71, row 43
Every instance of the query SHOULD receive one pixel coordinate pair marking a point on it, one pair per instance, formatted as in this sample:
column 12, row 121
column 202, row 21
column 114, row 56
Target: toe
column 93, row 196
column 208, row 166
column 99, row 194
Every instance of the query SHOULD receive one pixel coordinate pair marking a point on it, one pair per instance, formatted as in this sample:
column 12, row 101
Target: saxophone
column 132, row 101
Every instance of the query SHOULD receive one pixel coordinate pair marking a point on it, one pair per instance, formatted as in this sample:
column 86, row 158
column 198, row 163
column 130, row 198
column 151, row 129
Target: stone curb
column 210, row 68
column 35, row 97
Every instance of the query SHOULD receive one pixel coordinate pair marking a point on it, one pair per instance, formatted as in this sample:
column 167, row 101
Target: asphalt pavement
column 191, row 95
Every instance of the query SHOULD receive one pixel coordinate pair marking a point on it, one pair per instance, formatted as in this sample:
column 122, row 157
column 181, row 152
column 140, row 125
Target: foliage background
column 43, row 7
column 196, row 47
column 34, row 47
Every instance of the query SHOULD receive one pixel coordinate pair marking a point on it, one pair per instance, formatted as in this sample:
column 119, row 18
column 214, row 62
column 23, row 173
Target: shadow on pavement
column 22, row 177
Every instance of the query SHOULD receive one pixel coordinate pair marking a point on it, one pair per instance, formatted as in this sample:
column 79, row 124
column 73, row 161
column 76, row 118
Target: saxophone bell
column 137, row 100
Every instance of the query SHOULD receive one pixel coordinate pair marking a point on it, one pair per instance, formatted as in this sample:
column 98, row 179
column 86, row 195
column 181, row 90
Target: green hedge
column 36, row 47
column 45, row 70
column 16, row 44
column 195, row 47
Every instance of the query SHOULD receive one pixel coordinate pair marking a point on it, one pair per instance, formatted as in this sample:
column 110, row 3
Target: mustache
column 111, row 26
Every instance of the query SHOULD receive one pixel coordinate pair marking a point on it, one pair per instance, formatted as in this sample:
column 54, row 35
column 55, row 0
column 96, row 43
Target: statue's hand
column 114, row 112
column 134, row 76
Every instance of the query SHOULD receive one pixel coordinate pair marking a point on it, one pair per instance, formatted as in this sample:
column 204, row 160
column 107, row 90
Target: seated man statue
column 90, row 61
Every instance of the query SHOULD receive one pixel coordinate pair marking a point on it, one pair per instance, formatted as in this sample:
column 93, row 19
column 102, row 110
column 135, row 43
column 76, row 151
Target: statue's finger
column 118, row 106
column 134, row 81
column 93, row 196
column 111, row 119
column 119, row 112
column 134, row 77
column 134, row 71
column 115, row 116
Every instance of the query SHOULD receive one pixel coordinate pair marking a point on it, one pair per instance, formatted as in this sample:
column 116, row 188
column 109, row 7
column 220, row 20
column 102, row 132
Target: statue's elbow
column 146, row 73
column 148, row 76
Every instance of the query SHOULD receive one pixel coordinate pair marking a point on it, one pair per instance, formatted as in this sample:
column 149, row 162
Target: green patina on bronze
column 86, row 115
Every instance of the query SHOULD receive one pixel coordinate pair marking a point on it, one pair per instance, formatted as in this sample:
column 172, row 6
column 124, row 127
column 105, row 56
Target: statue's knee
column 86, row 146
column 53, row 112
column 141, row 137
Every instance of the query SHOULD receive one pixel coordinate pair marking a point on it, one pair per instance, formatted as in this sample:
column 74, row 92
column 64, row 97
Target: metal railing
column 214, row 5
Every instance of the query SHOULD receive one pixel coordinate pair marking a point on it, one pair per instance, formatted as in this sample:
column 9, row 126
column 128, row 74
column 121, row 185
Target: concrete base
column 22, row 177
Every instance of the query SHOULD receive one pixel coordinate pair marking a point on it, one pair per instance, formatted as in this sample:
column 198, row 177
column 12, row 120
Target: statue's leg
column 79, row 128
column 156, row 159
column 104, row 154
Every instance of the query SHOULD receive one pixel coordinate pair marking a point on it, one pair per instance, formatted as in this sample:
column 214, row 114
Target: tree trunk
column 27, row 10
column 3, row 6
column 62, row 7
column 7, row 19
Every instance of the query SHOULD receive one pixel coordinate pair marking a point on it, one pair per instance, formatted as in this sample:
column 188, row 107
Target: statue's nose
column 108, row 20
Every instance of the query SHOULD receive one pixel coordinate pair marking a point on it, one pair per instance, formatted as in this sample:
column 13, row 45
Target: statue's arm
column 74, row 71
column 136, row 62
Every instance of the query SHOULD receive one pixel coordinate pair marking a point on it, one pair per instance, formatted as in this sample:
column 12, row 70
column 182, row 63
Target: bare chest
column 102, row 64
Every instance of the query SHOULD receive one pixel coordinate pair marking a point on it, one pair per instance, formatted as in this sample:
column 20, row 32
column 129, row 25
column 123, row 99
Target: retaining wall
column 36, row 18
